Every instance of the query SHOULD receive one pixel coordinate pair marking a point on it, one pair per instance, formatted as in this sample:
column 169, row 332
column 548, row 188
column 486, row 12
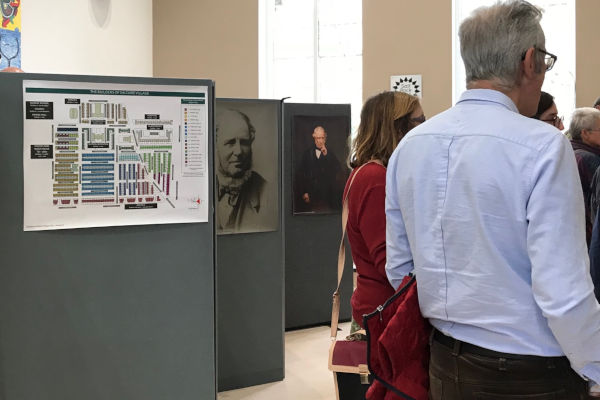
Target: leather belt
column 463, row 347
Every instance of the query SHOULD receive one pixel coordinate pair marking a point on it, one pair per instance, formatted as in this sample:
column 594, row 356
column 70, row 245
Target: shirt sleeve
column 561, row 282
column 399, row 256
column 371, row 222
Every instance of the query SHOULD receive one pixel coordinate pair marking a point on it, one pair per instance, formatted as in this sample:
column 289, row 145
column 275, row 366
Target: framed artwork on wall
column 246, row 159
column 319, row 153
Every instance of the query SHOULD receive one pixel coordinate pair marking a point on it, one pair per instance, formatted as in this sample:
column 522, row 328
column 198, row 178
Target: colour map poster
column 97, row 154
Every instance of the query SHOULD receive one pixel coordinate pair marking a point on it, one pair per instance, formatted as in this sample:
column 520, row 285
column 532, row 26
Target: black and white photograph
column 319, row 154
column 246, row 157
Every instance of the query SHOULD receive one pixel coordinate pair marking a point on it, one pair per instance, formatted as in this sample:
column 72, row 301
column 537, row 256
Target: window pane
column 559, row 26
column 294, row 77
column 339, row 81
column 293, row 31
column 340, row 39
column 290, row 55
column 291, row 70
column 339, row 64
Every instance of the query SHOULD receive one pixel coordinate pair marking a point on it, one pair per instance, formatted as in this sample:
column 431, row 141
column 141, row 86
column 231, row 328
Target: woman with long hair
column 384, row 120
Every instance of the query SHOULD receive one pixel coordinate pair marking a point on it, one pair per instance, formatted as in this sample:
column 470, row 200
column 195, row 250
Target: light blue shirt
column 486, row 206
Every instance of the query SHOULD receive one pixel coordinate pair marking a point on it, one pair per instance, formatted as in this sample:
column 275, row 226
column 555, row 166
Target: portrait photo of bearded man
column 246, row 201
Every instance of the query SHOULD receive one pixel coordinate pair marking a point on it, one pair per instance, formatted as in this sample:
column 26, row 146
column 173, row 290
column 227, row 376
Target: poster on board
column 10, row 34
column 411, row 84
column 319, row 153
column 100, row 154
column 246, row 159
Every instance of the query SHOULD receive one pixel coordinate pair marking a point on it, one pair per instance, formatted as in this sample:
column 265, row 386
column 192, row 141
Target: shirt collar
column 489, row 96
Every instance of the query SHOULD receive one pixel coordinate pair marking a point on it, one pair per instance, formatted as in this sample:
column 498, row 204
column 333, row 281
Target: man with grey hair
column 484, row 206
column 585, row 139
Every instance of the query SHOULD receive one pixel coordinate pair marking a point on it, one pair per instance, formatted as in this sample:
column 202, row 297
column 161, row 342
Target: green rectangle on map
column 115, row 92
column 192, row 101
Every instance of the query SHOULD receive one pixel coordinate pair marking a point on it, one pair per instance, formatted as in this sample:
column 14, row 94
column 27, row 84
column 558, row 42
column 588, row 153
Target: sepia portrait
column 246, row 166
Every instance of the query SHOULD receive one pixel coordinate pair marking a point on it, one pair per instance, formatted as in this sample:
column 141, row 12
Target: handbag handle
column 335, row 309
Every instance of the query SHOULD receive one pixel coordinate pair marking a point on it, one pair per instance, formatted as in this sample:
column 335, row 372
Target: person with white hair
column 585, row 140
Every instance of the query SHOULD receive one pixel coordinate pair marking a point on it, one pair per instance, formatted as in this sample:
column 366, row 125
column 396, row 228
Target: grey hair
column 494, row 39
column 583, row 118
column 221, row 114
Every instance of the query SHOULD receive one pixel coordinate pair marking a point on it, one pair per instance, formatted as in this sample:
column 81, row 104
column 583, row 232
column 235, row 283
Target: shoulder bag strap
column 335, row 309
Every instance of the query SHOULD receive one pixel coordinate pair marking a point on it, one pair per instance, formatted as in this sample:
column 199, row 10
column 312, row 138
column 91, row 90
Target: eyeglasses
column 549, row 58
column 556, row 121
column 418, row 120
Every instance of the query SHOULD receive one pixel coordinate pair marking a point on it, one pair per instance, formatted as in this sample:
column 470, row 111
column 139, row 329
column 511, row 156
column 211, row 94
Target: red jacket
column 366, row 234
column 399, row 347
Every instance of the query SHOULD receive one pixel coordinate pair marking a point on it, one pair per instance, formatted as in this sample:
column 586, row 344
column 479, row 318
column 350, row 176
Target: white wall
column 92, row 37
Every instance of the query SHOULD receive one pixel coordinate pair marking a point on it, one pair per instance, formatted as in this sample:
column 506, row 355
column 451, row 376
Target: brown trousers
column 461, row 371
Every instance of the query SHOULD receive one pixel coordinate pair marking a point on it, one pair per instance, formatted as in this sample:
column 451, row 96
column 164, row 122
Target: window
column 558, row 22
column 311, row 51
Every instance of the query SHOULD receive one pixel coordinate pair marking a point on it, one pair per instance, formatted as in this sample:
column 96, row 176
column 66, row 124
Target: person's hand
column 306, row 198
column 324, row 150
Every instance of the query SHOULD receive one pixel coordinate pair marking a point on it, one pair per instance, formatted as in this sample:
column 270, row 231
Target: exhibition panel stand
column 111, row 312
column 249, row 242
column 316, row 146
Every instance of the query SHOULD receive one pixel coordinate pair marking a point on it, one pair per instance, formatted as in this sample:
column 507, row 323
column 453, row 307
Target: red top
column 366, row 234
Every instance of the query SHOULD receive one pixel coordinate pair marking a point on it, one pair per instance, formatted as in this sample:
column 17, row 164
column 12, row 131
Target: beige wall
column 393, row 44
column 210, row 39
column 587, row 85
column 409, row 37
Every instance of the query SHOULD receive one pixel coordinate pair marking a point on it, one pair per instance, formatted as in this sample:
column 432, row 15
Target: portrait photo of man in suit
column 320, row 171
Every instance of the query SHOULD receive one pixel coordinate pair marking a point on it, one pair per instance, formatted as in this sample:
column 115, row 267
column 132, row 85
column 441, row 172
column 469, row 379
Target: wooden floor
column 306, row 373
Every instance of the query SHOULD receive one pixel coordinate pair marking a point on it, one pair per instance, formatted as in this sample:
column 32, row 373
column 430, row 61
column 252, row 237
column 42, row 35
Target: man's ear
column 528, row 63
column 584, row 133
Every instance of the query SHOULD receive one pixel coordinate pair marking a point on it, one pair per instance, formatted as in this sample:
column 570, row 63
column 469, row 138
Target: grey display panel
column 250, row 313
column 99, row 313
column 311, row 241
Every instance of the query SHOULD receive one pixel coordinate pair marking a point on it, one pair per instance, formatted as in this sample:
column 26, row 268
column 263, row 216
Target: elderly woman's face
column 591, row 136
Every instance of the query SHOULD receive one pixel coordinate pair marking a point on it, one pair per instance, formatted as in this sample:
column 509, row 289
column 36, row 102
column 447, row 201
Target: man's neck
column 514, row 94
